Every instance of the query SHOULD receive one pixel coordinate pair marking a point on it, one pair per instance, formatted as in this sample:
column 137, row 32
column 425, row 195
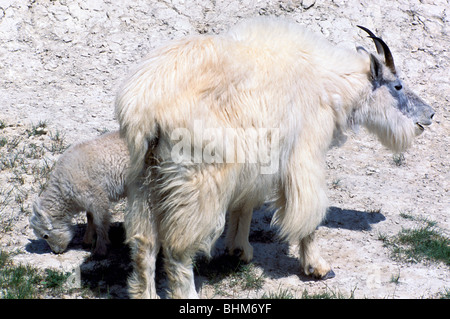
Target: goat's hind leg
column 191, row 217
column 179, row 270
column 238, row 231
column 141, row 283
column 142, row 238
column 99, row 220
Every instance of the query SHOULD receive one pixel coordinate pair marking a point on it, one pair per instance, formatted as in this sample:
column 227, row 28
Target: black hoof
column 328, row 275
column 237, row 252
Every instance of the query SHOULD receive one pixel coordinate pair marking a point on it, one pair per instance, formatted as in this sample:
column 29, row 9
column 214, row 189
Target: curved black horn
column 371, row 35
column 382, row 48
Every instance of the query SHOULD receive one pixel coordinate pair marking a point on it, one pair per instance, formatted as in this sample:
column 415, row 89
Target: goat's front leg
column 303, row 203
column 311, row 260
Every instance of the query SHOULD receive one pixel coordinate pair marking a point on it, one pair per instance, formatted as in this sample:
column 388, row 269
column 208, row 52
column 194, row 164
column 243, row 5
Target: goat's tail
column 138, row 126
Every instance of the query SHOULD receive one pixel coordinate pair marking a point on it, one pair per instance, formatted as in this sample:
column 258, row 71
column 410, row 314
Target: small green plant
column 383, row 237
column 407, row 216
column 3, row 259
column 279, row 294
column 58, row 144
column 247, row 278
column 425, row 242
column 395, row 278
column 445, row 294
column 414, row 245
column 399, row 159
column 13, row 143
column 17, row 282
column 229, row 271
column 328, row 294
column 336, row 183
column 41, row 173
column 55, row 279
column 37, row 130
column 26, row 282
column 3, row 141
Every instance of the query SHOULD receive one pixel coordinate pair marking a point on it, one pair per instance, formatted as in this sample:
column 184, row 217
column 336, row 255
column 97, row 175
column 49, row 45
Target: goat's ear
column 376, row 70
column 361, row 49
column 37, row 208
column 40, row 215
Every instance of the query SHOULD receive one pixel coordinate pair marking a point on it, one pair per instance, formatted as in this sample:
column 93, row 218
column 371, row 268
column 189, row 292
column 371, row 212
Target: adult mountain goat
column 266, row 78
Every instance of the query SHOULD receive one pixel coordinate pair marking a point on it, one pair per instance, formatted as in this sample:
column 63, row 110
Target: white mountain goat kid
column 88, row 176
column 269, row 77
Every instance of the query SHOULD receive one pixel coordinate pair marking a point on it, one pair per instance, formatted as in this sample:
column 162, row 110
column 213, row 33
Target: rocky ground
column 62, row 61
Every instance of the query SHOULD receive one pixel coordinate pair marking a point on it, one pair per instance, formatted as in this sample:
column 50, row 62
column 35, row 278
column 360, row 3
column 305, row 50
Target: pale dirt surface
column 62, row 61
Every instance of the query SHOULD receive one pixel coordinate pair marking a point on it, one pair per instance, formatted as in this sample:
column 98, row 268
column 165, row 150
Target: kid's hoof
column 86, row 245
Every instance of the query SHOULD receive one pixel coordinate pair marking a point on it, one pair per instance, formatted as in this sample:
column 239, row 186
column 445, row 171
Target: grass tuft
column 414, row 245
column 27, row 282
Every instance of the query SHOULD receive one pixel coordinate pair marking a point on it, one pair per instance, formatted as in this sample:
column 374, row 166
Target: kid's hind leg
column 101, row 220
column 88, row 238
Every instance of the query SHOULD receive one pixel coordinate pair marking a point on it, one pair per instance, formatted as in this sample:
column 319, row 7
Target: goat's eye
column 398, row 87
column 45, row 236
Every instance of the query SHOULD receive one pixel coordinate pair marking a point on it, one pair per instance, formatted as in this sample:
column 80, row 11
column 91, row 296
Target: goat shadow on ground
column 279, row 263
column 37, row 246
column 351, row 219
column 282, row 264
column 107, row 277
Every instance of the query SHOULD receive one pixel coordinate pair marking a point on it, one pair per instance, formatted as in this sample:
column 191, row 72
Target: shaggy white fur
column 89, row 176
column 263, row 73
